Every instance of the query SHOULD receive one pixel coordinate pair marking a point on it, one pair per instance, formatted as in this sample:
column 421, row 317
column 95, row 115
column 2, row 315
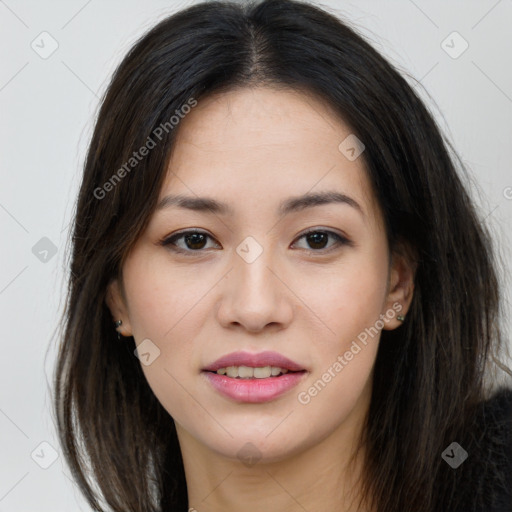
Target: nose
column 255, row 296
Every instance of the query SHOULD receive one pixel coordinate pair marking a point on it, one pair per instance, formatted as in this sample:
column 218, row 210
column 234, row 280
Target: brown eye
column 317, row 240
column 194, row 241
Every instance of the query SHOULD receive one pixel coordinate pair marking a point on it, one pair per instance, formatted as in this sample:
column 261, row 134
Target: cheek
column 363, row 289
column 167, row 307
column 349, row 304
column 162, row 296
column 350, row 297
column 347, row 352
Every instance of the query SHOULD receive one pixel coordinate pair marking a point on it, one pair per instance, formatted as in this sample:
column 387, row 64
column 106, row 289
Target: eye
column 317, row 239
column 194, row 241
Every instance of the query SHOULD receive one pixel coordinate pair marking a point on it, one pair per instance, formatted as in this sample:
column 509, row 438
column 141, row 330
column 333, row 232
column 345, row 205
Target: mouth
column 253, row 373
column 253, row 378
column 248, row 365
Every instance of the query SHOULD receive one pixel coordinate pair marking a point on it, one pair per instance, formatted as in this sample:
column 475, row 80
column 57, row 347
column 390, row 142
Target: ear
column 400, row 285
column 117, row 304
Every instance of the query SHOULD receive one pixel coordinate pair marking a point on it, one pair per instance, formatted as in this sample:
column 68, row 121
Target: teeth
column 246, row 372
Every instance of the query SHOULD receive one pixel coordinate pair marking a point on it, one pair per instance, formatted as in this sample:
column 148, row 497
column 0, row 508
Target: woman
column 258, row 364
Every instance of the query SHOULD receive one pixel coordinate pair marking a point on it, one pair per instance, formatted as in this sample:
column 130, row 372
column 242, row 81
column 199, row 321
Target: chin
column 256, row 448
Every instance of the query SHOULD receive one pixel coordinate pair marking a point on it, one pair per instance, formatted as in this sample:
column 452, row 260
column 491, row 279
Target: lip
column 254, row 390
column 267, row 358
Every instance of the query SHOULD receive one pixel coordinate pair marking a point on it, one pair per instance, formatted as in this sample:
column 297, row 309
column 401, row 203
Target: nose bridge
column 254, row 279
column 254, row 297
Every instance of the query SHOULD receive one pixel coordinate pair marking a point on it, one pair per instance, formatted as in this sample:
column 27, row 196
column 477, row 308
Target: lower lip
column 254, row 390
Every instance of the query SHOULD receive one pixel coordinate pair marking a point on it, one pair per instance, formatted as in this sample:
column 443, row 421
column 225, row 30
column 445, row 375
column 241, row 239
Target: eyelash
column 169, row 241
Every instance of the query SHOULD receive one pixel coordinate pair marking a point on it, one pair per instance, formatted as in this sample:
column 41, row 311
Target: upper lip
column 267, row 358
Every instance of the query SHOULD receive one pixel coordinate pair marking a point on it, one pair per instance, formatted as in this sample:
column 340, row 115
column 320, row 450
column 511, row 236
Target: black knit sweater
column 483, row 482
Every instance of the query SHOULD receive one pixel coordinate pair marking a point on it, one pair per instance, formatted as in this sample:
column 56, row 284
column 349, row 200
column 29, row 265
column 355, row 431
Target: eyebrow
column 292, row 204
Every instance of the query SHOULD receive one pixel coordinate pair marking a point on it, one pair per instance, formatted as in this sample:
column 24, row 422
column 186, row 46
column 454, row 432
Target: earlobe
column 116, row 304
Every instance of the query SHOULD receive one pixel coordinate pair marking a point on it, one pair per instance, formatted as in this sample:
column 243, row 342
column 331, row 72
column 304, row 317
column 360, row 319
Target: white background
column 48, row 108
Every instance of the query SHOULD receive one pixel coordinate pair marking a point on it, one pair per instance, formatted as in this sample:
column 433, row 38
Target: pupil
column 315, row 237
column 194, row 241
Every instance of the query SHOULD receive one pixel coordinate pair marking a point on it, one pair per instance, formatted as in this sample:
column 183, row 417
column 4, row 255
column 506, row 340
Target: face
column 313, row 282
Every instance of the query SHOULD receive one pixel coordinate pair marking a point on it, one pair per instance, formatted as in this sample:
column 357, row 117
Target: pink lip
column 267, row 358
column 253, row 390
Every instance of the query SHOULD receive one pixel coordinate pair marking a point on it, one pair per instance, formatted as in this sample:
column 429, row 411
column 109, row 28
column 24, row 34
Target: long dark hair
column 429, row 375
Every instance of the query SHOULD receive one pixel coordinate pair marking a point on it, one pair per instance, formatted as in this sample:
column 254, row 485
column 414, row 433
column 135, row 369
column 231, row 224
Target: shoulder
column 484, row 479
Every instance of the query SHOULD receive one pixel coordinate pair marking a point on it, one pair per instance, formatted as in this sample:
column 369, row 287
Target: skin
column 253, row 148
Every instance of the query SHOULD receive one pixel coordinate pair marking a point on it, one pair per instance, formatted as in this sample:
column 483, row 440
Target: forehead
column 261, row 145
column 260, row 117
